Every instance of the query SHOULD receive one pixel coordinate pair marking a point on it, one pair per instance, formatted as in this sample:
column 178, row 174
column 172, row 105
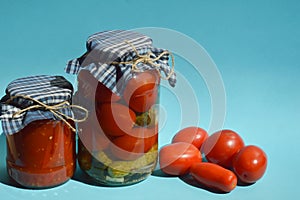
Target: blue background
column 255, row 44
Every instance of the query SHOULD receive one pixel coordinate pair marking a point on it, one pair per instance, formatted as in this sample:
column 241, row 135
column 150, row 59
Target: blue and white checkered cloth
column 50, row 90
column 106, row 48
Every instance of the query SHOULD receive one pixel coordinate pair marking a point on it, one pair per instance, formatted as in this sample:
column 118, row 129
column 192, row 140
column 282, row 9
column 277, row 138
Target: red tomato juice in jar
column 42, row 154
column 40, row 139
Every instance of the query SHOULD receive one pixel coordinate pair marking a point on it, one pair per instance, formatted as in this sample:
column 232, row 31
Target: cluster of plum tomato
column 228, row 160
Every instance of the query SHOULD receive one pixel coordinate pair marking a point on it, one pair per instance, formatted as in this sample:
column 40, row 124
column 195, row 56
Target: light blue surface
column 255, row 45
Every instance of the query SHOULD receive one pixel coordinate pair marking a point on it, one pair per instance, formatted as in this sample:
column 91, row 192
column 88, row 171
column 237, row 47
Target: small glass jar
column 38, row 122
column 42, row 154
column 118, row 142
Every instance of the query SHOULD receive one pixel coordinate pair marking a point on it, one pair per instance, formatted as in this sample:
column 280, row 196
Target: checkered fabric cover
column 109, row 46
column 49, row 90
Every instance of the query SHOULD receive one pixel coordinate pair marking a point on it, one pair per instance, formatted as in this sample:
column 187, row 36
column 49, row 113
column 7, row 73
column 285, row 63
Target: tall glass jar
column 42, row 154
column 118, row 142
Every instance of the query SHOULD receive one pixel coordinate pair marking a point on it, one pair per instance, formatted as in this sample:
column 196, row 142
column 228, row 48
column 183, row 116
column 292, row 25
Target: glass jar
column 42, row 154
column 118, row 143
column 38, row 121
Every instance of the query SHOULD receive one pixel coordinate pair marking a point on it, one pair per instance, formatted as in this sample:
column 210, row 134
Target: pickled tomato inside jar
column 126, row 152
column 141, row 91
column 90, row 89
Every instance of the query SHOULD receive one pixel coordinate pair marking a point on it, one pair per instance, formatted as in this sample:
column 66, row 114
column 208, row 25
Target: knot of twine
column 146, row 59
column 53, row 109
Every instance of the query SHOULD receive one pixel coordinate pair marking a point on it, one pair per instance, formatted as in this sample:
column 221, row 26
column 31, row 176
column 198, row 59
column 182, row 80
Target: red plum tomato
column 141, row 91
column 92, row 136
column 128, row 147
column 105, row 95
column 115, row 119
column 214, row 176
column 250, row 164
column 177, row 158
column 192, row 135
column 221, row 147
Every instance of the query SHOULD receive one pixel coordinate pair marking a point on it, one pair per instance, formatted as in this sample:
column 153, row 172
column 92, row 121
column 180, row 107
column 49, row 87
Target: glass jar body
column 42, row 154
column 118, row 142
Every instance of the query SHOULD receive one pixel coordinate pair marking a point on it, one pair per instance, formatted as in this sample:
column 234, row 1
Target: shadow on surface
column 191, row 181
column 188, row 179
column 159, row 173
column 243, row 184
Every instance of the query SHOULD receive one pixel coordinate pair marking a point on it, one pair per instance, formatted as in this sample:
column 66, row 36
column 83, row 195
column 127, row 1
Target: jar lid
column 33, row 98
column 112, row 55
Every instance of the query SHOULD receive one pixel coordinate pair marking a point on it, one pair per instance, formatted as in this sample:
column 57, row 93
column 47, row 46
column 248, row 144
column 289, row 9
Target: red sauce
column 42, row 154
